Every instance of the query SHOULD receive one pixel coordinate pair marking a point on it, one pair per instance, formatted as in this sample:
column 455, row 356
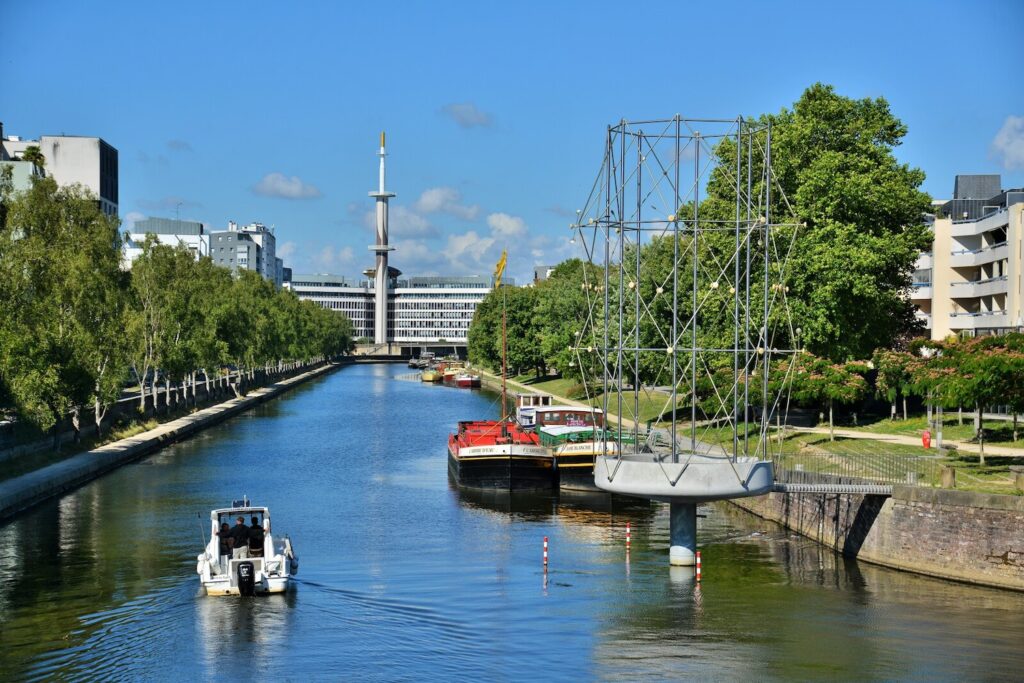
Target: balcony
column 990, row 222
column 920, row 291
column 965, row 258
column 975, row 288
column 977, row 321
column 924, row 261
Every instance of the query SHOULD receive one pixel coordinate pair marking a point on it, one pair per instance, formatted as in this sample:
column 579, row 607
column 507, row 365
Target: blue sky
column 495, row 114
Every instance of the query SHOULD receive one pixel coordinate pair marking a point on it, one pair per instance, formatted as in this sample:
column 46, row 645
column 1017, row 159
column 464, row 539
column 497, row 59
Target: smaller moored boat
column 430, row 375
column 265, row 570
column 467, row 380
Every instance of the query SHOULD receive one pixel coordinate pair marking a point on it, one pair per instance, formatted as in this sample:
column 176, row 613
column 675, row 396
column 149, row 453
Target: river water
column 405, row 578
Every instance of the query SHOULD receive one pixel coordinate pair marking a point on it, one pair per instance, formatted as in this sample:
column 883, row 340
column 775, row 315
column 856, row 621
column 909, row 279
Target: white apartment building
column 422, row 311
column 167, row 231
column 69, row 159
column 971, row 281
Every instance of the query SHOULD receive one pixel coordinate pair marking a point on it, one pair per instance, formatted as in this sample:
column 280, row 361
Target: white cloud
column 1008, row 145
column 131, row 218
column 286, row 250
column 329, row 258
column 504, row 225
column 285, row 187
column 467, row 114
column 402, row 222
column 445, row 200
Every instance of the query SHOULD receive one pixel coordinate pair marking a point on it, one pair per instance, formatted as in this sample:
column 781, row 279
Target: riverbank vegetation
column 76, row 328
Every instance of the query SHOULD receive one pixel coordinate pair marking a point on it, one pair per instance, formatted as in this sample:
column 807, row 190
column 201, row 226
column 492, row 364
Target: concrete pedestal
column 683, row 534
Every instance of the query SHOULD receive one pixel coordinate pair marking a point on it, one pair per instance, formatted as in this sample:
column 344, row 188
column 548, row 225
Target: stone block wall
column 978, row 538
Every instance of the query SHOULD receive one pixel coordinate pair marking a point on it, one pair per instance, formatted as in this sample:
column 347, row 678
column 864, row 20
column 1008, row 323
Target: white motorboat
column 266, row 570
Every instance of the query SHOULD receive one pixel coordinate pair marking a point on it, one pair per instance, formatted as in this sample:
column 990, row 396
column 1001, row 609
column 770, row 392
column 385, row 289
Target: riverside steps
column 22, row 492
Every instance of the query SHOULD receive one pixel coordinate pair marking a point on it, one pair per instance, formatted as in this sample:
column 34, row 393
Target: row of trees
column 75, row 327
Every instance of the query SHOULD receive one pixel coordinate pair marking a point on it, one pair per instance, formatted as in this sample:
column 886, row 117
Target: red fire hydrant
column 926, row 439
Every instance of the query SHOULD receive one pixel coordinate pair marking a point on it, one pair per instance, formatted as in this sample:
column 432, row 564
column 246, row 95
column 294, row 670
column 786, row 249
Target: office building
column 970, row 282
column 69, row 159
column 250, row 247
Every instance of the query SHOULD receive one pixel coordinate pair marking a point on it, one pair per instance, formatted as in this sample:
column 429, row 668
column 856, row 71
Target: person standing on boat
column 225, row 540
column 240, row 540
column 256, row 537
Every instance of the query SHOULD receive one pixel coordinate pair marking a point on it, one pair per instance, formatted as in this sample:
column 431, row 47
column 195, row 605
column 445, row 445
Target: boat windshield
column 230, row 516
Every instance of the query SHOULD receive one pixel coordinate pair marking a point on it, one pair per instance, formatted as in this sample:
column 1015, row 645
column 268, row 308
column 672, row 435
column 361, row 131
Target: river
column 405, row 578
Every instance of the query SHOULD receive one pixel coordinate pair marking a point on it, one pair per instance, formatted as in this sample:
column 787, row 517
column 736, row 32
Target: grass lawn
column 996, row 431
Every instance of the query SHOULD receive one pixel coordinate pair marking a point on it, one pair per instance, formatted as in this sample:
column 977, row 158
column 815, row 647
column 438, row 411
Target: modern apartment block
column 69, row 159
column 422, row 311
column 971, row 281
column 250, row 247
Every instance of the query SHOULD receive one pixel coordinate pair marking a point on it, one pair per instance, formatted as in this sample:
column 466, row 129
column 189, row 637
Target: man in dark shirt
column 256, row 538
column 240, row 540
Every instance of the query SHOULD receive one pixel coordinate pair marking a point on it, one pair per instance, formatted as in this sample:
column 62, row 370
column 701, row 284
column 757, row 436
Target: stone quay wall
column 971, row 537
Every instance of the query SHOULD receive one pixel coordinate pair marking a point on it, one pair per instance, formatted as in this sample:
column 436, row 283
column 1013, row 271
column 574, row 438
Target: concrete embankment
column 972, row 537
column 20, row 493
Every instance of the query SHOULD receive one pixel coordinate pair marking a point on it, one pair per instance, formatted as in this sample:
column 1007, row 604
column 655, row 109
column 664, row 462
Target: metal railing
column 858, row 469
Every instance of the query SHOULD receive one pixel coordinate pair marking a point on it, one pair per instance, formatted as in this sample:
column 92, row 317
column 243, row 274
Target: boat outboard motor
column 246, row 579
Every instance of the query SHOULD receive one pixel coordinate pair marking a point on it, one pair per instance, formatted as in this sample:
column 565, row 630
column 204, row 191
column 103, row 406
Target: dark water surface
column 403, row 577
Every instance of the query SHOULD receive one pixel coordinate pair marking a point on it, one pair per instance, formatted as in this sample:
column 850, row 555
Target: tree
column 61, row 304
column 894, row 377
column 33, row 154
column 861, row 211
column 816, row 380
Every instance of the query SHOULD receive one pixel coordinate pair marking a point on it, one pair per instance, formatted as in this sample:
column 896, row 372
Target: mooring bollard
column 698, row 565
column 545, row 553
column 627, row 535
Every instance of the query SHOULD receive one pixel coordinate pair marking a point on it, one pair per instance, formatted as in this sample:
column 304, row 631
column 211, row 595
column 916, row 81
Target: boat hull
column 576, row 473
column 513, row 470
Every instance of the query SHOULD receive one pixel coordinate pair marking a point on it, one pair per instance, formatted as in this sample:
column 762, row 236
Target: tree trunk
column 167, row 395
column 99, row 412
column 76, row 424
column 153, row 392
column 977, row 420
column 981, row 437
column 142, row 393
column 960, row 416
column 831, row 427
column 904, row 407
column 1015, row 426
column 892, row 413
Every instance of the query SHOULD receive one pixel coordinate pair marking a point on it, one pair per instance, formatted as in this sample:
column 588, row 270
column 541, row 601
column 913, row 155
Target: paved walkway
column 22, row 492
column 962, row 446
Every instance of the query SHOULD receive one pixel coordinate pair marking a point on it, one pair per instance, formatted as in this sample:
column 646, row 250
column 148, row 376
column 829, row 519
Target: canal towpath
column 22, row 492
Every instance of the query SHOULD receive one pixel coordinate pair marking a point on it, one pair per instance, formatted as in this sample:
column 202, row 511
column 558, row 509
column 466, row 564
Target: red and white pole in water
column 627, row 536
column 698, row 565
column 545, row 552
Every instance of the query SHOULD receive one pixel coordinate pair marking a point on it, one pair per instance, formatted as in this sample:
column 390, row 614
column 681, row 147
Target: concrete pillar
column 683, row 534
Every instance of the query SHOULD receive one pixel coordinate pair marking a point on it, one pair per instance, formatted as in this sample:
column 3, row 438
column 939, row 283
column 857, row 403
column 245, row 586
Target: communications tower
column 380, row 272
